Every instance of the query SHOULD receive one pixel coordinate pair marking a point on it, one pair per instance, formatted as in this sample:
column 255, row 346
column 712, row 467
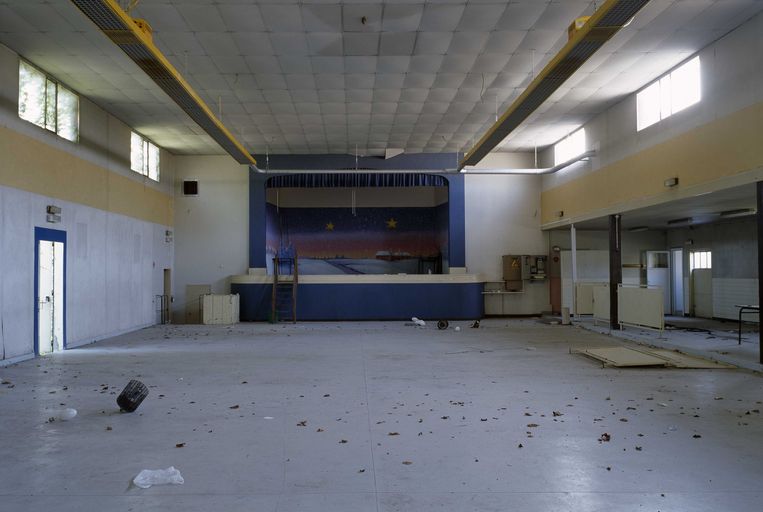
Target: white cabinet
column 220, row 309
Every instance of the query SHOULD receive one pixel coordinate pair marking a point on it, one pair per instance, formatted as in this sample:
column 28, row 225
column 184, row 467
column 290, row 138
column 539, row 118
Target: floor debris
column 150, row 477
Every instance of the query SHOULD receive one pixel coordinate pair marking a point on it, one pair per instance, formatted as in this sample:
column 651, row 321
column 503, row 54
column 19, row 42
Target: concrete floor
column 433, row 420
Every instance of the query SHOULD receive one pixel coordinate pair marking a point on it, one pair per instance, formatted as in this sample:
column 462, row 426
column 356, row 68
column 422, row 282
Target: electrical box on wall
column 534, row 267
column 518, row 269
column 512, row 268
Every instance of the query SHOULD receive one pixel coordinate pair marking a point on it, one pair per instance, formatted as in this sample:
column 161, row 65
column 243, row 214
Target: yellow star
column 330, row 226
column 391, row 224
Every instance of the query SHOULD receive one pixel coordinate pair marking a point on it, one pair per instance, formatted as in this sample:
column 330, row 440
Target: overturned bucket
column 132, row 395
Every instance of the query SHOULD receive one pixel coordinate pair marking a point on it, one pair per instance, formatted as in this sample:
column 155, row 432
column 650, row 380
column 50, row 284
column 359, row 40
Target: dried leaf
column 393, row 434
column 180, row 445
column 302, row 423
column 407, row 462
column 233, row 407
column 532, row 425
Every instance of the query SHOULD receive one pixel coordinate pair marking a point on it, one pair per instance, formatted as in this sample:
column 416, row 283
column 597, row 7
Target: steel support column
column 759, row 217
column 615, row 268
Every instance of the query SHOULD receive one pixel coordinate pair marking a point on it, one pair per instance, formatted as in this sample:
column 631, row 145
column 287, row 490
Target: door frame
column 46, row 235
column 673, row 290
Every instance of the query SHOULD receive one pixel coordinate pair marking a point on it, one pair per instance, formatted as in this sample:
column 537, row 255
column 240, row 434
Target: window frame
column 147, row 148
column 568, row 139
column 663, row 100
column 700, row 259
column 51, row 112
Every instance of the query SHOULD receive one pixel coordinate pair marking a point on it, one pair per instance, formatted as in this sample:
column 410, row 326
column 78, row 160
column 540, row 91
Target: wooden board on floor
column 680, row 360
column 622, row 357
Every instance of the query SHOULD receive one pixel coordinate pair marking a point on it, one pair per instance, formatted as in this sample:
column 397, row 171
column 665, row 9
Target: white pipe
column 531, row 172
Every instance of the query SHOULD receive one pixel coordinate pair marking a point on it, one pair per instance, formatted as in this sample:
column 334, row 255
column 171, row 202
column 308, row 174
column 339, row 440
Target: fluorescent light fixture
column 670, row 182
column 638, row 229
column 741, row 212
column 684, row 220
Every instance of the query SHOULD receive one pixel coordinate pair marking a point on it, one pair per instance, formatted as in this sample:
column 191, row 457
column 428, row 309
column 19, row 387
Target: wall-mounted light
column 670, row 182
column 53, row 209
column 168, row 236
column 684, row 220
column 560, row 213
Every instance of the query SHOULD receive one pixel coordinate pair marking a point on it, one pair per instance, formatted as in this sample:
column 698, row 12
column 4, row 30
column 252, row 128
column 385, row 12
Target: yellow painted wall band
column 722, row 148
column 31, row 165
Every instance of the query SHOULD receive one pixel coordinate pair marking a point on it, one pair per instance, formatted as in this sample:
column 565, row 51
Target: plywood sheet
column 641, row 306
column 622, row 357
column 680, row 360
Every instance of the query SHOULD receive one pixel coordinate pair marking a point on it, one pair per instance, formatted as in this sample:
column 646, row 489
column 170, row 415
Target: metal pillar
column 574, row 254
column 759, row 216
column 615, row 268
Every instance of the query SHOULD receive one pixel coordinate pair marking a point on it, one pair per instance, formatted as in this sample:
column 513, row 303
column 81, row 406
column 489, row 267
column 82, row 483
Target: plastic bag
column 420, row 323
column 63, row 415
column 149, row 477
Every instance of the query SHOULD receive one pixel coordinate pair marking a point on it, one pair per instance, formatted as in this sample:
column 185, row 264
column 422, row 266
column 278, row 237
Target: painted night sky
column 370, row 234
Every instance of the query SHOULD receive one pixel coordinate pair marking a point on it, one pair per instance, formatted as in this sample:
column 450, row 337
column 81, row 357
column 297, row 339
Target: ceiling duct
column 133, row 36
column 583, row 43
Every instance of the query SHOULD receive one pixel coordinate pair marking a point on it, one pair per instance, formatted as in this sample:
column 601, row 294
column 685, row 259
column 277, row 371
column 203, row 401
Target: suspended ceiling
column 307, row 76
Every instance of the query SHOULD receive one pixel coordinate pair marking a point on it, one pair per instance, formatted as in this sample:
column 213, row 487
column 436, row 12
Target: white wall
column 211, row 229
column 114, row 263
column 732, row 79
column 114, row 269
column 503, row 217
column 734, row 248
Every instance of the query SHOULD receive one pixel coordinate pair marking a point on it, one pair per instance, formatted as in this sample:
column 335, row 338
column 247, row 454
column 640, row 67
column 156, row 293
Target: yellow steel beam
column 134, row 38
column 595, row 31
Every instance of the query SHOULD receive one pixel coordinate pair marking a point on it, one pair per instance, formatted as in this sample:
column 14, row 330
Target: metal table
column 745, row 308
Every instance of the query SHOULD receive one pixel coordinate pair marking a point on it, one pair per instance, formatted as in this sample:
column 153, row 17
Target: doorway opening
column 50, row 291
column 658, row 275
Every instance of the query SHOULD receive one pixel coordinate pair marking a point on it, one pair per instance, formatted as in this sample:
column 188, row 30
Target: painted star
column 391, row 224
column 330, row 226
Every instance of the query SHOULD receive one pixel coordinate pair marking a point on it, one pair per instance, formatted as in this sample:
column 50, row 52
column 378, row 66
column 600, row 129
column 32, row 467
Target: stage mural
column 411, row 240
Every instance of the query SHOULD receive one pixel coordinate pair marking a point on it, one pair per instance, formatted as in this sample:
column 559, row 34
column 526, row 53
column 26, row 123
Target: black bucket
column 132, row 395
